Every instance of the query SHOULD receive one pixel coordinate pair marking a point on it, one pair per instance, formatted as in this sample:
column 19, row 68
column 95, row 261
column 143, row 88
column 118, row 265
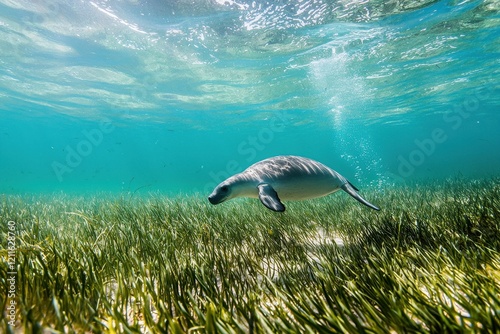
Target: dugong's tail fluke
column 351, row 190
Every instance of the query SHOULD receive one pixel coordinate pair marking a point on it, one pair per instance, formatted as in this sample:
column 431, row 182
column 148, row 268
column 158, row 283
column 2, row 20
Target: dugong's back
column 289, row 166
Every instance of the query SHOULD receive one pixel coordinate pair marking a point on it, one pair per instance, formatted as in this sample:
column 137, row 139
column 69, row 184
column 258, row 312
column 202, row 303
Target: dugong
column 284, row 177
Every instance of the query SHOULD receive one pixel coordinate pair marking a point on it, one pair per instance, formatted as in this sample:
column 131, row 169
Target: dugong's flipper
column 351, row 190
column 269, row 198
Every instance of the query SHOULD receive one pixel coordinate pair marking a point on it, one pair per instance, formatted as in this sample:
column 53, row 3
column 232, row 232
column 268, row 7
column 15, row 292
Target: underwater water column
column 347, row 113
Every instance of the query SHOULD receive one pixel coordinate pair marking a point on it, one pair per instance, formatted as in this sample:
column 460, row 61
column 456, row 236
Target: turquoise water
column 173, row 96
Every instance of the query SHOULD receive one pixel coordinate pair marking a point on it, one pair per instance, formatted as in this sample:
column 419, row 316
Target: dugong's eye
column 224, row 189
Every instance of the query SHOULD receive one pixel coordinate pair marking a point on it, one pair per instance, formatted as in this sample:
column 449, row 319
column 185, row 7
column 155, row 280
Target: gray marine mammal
column 285, row 177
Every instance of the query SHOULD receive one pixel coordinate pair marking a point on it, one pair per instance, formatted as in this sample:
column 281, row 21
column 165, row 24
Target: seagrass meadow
column 429, row 261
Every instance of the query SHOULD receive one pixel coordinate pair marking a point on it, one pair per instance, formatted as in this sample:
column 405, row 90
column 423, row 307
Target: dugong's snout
column 212, row 199
column 220, row 194
column 216, row 197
